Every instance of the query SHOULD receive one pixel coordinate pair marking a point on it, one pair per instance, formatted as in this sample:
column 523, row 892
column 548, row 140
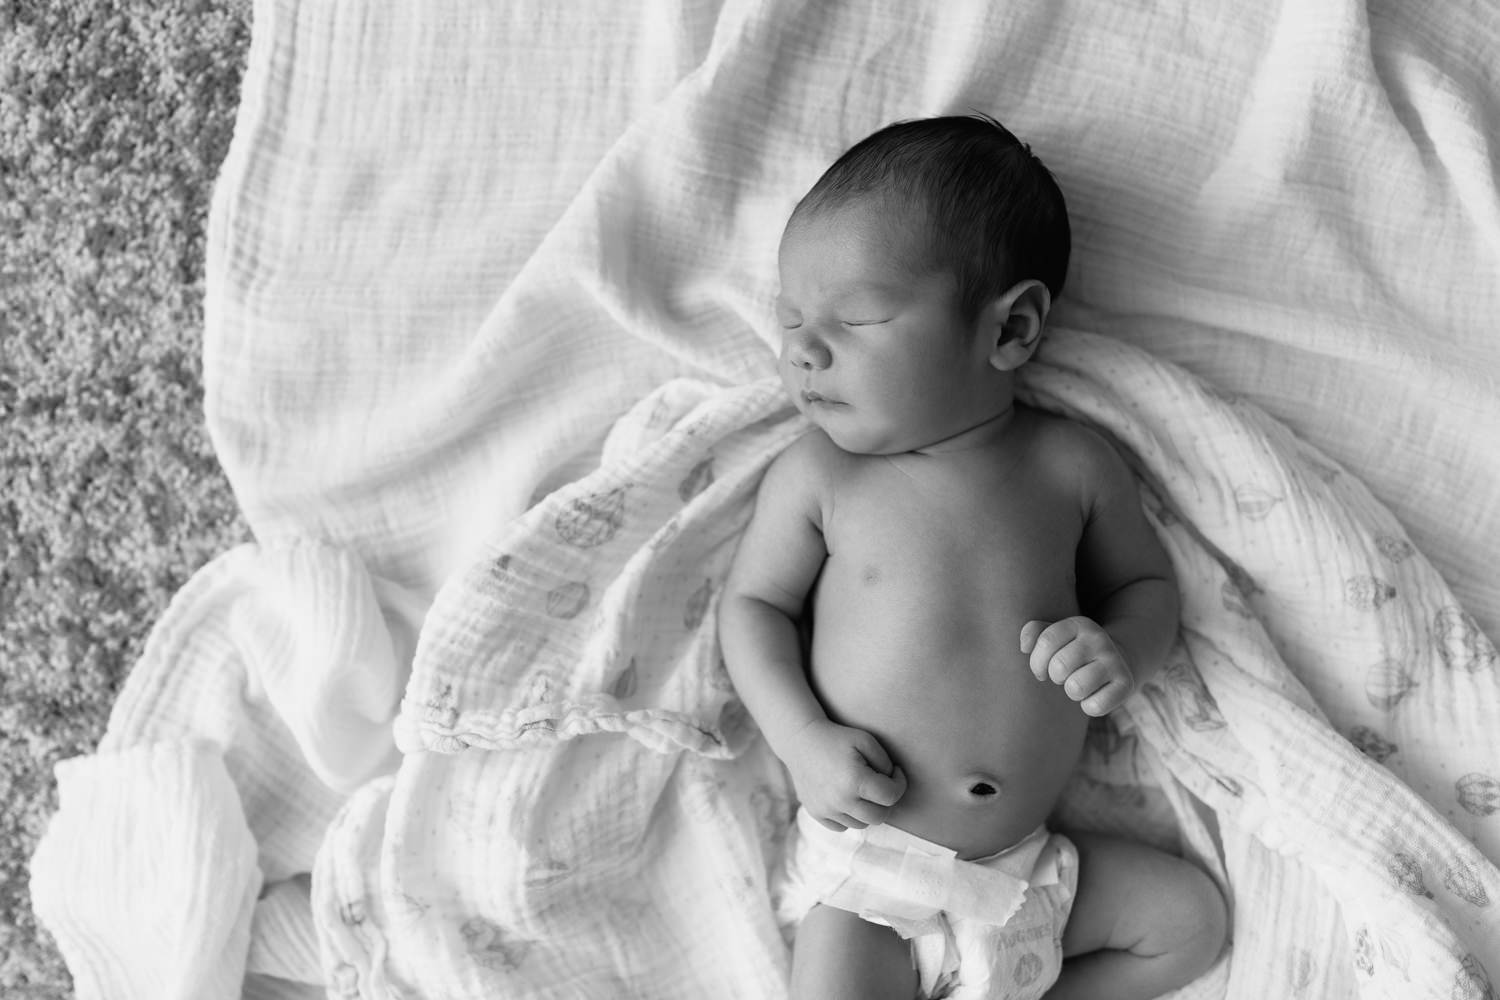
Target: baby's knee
column 1195, row 924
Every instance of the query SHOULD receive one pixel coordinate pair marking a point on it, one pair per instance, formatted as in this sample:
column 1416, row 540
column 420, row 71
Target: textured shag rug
column 114, row 117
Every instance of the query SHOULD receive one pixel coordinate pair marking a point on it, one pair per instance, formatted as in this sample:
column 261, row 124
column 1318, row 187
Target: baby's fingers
column 878, row 793
column 1107, row 698
column 1030, row 632
column 883, row 790
column 1086, row 680
column 1047, row 645
column 869, row 748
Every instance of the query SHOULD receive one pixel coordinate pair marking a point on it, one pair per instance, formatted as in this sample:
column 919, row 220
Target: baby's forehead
column 825, row 266
column 881, row 213
column 869, row 233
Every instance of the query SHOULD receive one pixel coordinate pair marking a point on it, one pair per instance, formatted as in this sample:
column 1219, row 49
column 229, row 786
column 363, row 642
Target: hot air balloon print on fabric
column 592, row 520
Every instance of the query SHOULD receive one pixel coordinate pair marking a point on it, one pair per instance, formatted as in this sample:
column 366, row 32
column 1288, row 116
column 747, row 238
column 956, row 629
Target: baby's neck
column 991, row 433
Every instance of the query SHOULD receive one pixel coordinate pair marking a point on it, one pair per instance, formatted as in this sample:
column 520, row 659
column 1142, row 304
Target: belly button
column 984, row 789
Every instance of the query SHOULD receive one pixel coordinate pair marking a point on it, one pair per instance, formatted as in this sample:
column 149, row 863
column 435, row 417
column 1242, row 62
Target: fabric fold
column 147, row 876
column 593, row 611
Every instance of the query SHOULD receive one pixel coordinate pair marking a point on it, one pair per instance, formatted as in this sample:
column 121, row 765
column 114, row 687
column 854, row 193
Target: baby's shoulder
column 807, row 465
column 1068, row 438
column 1074, row 453
column 813, row 452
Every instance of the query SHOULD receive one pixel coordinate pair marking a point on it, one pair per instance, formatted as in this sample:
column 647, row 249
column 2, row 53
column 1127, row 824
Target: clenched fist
column 843, row 776
column 1079, row 655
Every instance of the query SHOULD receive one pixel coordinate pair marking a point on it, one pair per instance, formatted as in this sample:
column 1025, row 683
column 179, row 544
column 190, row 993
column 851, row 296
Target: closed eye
column 865, row 322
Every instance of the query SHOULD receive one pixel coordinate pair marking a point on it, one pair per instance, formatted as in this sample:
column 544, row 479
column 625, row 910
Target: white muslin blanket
column 489, row 363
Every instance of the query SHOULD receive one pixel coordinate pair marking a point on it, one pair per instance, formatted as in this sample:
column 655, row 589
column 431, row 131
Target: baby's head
column 916, row 275
column 976, row 200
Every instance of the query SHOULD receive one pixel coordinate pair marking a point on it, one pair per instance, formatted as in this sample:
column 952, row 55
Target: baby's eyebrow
column 840, row 297
column 876, row 288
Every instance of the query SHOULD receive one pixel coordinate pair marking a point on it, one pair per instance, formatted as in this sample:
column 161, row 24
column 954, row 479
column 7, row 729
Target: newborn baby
column 979, row 579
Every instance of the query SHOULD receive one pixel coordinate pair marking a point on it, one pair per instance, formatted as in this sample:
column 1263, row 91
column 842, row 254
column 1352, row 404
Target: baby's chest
column 964, row 542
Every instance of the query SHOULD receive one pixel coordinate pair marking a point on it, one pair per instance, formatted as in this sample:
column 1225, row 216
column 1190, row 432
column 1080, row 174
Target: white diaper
column 989, row 927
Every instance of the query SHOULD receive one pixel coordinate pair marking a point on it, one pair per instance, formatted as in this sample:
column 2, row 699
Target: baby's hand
column 843, row 776
column 1078, row 654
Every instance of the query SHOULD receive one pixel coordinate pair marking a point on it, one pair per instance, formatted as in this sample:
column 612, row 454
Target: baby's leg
column 1143, row 922
column 838, row 955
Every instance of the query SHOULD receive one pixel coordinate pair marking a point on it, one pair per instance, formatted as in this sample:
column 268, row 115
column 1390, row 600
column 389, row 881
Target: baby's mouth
column 812, row 398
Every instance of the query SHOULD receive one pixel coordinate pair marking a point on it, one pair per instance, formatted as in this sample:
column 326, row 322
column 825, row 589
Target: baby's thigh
column 839, row 955
column 1135, row 898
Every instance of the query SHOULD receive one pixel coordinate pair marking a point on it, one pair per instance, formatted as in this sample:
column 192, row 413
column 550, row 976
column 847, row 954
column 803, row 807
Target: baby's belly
column 986, row 747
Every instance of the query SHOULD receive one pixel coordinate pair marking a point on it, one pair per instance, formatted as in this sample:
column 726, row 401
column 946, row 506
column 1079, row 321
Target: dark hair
column 995, row 214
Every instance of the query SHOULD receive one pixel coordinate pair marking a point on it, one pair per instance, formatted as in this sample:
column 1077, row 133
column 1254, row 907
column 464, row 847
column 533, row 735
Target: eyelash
column 868, row 322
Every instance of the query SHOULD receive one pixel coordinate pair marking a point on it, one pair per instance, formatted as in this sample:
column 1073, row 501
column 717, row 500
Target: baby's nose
column 807, row 353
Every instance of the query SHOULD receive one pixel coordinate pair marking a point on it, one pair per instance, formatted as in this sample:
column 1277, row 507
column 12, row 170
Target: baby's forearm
column 764, row 660
column 1142, row 619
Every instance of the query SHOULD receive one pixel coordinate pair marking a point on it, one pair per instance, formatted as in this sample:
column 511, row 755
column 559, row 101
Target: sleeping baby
column 979, row 580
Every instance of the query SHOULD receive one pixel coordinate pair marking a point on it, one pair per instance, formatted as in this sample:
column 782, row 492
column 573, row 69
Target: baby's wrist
column 791, row 744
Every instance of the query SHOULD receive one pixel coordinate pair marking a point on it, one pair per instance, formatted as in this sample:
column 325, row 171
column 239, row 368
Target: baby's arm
column 842, row 775
column 1127, row 591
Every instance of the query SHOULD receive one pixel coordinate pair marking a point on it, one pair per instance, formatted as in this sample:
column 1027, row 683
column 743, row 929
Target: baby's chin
column 859, row 441
column 844, row 427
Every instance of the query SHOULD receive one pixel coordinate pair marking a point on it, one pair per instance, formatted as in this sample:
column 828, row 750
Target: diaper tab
column 911, row 884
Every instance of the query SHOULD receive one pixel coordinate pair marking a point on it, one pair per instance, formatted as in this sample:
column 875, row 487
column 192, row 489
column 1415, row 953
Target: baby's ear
column 1014, row 323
